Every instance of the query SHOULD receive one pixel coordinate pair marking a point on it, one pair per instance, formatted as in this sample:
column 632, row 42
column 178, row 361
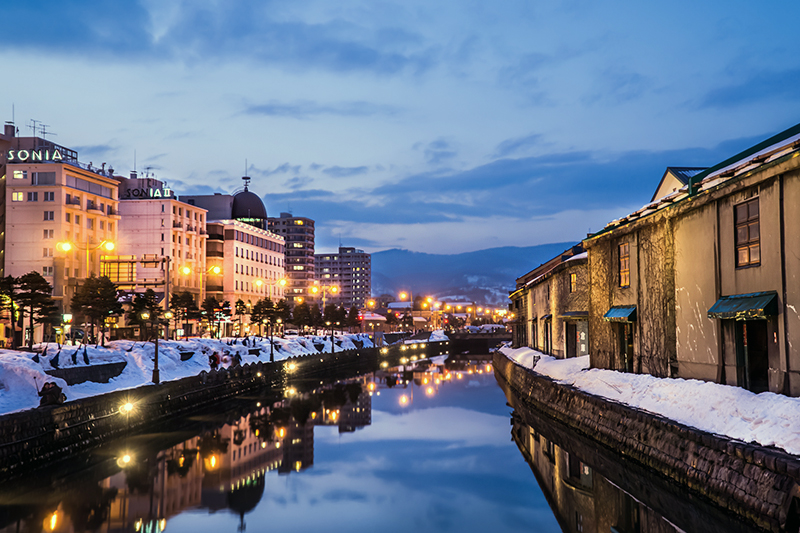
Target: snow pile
column 438, row 335
column 767, row 418
column 18, row 369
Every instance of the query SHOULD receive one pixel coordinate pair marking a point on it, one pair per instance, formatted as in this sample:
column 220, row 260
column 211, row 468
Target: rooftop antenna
column 45, row 133
column 134, row 160
column 246, row 180
column 34, row 126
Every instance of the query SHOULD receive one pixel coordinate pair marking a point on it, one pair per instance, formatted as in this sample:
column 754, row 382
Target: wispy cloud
column 756, row 87
column 345, row 172
column 303, row 109
column 517, row 144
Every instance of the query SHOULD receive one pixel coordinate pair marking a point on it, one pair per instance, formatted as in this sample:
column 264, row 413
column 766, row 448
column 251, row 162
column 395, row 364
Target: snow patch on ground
column 21, row 376
column 767, row 418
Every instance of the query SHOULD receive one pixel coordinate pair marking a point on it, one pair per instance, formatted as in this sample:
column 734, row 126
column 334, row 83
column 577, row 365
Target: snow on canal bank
column 769, row 419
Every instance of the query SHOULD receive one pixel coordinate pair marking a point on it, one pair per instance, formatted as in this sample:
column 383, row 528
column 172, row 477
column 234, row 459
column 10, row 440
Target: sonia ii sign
column 22, row 156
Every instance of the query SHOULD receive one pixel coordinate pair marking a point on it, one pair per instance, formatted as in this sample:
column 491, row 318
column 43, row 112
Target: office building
column 298, row 233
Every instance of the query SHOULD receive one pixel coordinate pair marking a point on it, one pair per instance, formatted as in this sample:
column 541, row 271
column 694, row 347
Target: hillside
column 484, row 275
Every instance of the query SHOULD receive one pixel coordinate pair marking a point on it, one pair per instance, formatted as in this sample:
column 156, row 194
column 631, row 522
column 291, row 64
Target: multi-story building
column 550, row 304
column 699, row 283
column 299, row 235
column 158, row 234
column 251, row 260
column 59, row 216
column 351, row 271
column 250, row 257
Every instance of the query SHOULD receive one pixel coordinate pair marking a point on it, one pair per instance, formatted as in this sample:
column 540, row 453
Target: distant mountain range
column 485, row 276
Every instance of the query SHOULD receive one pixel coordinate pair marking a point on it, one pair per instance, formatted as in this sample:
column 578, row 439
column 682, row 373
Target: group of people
column 215, row 359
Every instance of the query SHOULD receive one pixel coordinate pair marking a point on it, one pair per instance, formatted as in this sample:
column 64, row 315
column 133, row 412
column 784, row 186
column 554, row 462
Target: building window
column 49, row 196
column 17, row 196
column 90, row 223
column 573, row 282
column 47, row 234
column 47, row 252
column 47, row 271
column 68, row 217
column 33, row 196
column 624, row 265
column 20, row 174
column 102, row 224
column 110, row 226
column 748, row 246
column 49, row 215
column 77, row 219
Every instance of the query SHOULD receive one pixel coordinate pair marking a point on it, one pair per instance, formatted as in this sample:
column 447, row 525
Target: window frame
column 751, row 243
column 624, row 264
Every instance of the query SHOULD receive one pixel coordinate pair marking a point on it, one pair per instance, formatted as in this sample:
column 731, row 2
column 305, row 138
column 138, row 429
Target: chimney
column 133, row 174
column 8, row 131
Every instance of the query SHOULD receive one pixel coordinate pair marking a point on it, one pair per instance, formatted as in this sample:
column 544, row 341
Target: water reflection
column 441, row 462
column 592, row 489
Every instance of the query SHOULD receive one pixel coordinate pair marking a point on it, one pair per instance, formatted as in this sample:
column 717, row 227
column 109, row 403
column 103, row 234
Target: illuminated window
column 20, row 174
column 748, row 244
column 17, row 196
column 298, row 222
column 624, row 265
column 573, row 282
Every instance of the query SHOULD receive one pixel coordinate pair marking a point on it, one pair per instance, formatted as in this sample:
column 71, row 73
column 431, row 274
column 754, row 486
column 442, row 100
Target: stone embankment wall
column 37, row 437
column 758, row 484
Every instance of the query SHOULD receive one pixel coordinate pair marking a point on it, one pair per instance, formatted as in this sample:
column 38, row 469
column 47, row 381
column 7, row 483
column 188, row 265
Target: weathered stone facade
column 551, row 303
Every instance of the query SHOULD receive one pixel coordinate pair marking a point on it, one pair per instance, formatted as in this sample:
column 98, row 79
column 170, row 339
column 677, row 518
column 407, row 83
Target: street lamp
column 168, row 315
column 67, row 246
column 272, row 341
column 324, row 288
column 145, row 316
column 403, row 296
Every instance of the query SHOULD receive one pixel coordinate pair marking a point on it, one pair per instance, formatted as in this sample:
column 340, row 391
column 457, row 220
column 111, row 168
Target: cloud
column 344, row 172
column 304, row 109
column 297, row 182
column 193, row 31
column 755, row 88
column 97, row 151
column 437, row 152
column 617, row 85
column 518, row 144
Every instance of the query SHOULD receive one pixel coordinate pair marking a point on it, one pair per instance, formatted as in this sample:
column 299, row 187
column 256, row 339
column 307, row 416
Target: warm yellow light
column 429, row 299
column 384, row 365
column 145, row 315
column 298, row 465
column 186, row 270
column 371, row 386
column 424, row 381
column 259, row 283
column 469, row 309
column 216, row 270
column 315, row 290
column 429, row 390
column 126, row 408
column 403, row 295
column 213, row 461
column 424, row 305
column 299, row 299
column 108, row 245
column 292, row 366
column 53, row 521
column 403, row 399
column 480, row 309
column 459, row 376
column 263, row 444
column 334, row 289
column 447, row 307
column 459, row 308
column 126, row 458
column 281, row 432
column 162, row 524
column 168, row 315
column 64, row 246
column 281, row 282
column 371, row 303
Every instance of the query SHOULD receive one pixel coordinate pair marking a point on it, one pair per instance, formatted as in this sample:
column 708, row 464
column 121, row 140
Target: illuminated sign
column 148, row 193
column 22, row 156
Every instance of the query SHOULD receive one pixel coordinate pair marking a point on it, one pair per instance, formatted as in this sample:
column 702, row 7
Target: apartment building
column 351, row 271
column 298, row 233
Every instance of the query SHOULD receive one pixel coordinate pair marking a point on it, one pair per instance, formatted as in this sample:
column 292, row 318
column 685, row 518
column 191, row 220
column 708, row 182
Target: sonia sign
column 21, row 156
column 148, row 193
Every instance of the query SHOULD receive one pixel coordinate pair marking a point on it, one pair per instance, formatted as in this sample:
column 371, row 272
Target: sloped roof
column 765, row 152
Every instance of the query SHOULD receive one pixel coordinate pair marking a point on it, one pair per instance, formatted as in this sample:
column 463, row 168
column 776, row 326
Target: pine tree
column 8, row 297
column 35, row 295
column 146, row 302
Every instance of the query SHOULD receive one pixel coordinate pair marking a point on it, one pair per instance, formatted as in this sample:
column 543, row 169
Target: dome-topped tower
column 248, row 207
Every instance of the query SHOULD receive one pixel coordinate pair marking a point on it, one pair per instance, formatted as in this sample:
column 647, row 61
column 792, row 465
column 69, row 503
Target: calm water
column 426, row 456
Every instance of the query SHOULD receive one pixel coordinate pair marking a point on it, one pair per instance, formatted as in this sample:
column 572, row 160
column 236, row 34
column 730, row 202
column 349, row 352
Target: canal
column 429, row 454
column 434, row 450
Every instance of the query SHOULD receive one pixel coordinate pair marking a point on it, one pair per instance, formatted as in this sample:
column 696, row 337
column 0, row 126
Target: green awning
column 621, row 313
column 745, row 306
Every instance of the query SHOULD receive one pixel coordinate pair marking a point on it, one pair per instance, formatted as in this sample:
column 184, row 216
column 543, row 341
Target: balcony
column 73, row 203
column 176, row 224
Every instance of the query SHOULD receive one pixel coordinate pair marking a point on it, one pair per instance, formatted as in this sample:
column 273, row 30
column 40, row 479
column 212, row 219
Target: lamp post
column 403, row 295
column 145, row 315
column 168, row 315
column 272, row 341
column 69, row 246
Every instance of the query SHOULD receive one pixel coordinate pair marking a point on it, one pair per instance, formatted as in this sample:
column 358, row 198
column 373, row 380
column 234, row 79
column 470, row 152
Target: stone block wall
column 758, row 484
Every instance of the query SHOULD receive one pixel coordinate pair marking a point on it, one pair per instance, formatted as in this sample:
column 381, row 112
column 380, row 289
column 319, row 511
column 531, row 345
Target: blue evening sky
column 442, row 127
